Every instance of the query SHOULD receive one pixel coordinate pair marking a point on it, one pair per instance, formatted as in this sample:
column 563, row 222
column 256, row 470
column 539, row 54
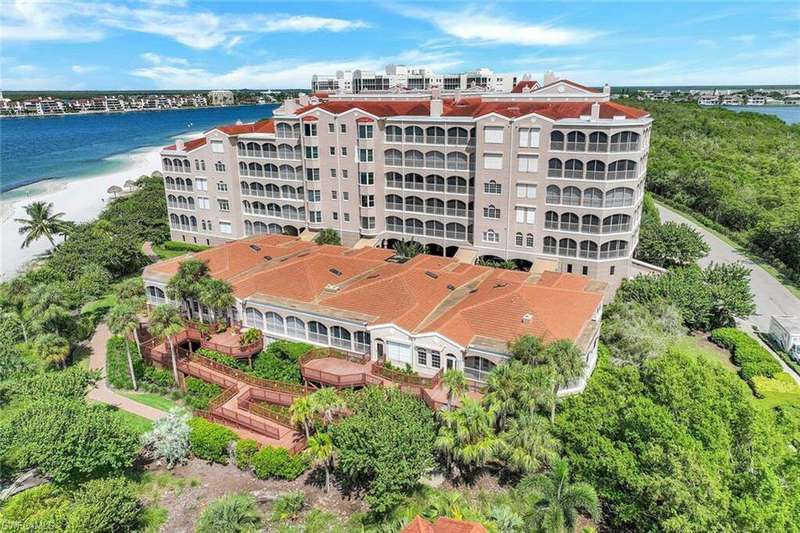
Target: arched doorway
column 435, row 249
column 450, row 251
column 450, row 362
column 290, row 230
column 523, row 264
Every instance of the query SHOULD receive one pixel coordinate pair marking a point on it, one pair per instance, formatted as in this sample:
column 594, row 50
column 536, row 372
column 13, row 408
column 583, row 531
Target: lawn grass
column 139, row 424
column 156, row 401
column 700, row 346
column 163, row 253
column 108, row 301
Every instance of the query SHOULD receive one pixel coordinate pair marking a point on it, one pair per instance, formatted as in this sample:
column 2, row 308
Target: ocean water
column 788, row 114
column 34, row 149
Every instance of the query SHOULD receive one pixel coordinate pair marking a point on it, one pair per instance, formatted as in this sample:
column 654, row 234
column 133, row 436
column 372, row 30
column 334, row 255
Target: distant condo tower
column 550, row 176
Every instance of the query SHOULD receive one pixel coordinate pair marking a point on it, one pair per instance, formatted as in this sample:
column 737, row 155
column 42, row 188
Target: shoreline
column 121, row 111
column 80, row 198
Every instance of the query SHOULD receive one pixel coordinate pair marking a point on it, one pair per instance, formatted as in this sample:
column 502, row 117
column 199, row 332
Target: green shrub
column 222, row 359
column 230, row 514
column 177, row 246
column 199, row 393
column 210, row 441
column 288, row 506
column 105, row 505
column 268, row 366
column 245, row 450
column 747, row 353
column 117, row 371
column 41, row 508
column 159, row 377
column 278, row 463
column 288, row 350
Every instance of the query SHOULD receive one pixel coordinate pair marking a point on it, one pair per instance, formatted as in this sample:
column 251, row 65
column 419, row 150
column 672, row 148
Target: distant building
column 708, row 99
column 732, row 99
column 756, row 99
column 792, row 99
column 785, row 329
column 220, row 97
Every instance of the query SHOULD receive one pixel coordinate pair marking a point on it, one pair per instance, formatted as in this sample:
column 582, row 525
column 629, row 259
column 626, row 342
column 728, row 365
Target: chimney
column 179, row 146
column 436, row 102
column 526, row 318
column 302, row 99
column 606, row 90
column 595, row 112
column 549, row 77
column 457, row 95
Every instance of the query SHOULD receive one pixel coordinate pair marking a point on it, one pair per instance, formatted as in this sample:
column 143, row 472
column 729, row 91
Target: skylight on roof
column 430, row 274
column 255, row 247
column 335, row 271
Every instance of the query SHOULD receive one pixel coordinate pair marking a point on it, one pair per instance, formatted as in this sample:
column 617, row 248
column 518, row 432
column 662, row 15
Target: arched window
column 455, row 231
column 551, row 220
column 269, row 150
column 556, row 140
column 576, row 141
column 616, row 223
column 273, row 322
column 555, row 168
column 289, row 211
column 457, row 161
column 362, row 342
column 569, row 222
column 477, row 368
column 491, row 235
column 174, row 220
column 491, row 211
column 598, row 142
column 248, row 227
column 288, row 192
column 270, row 170
column 623, row 169
column 286, row 172
column 553, row 195
column 456, row 185
column 414, row 181
column 595, row 170
column 414, row 134
column 169, row 183
column 259, row 228
column 434, row 135
column 156, row 294
column 590, row 224
column 415, row 204
column 285, row 151
column 434, row 206
column 394, row 180
column 573, row 169
column 317, row 332
column 394, row 134
column 414, row 226
column 243, row 171
column 414, row 158
column 273, row 210
column 492, row 187
column 588, row 250
column 284, row 130
column 341, row 337
column 550, row 246
column 519, row 239
column 393, row 157
column 394, row 202
column 456, row 208
column 191, row 202
column 253, row 318
column 625, row 141
column 270, row 190
column 274, row 229
column 394, row 224
column 434, row 159
column 592, row 197
column 613, row 249
column 184, row 222
column 253, row 149
column 571, row 196
column 619, row 197
column 567, row 248
column 457, row 136
column 434, row 183
column 295, row 327
column 182, row 203
column 434, row 228
column 529, row 240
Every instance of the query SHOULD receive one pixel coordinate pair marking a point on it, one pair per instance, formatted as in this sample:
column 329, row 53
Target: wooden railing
column 258, row 394
column 235, row 418
column 291, row 388
column 399, row 376
column 355, row 379
column 223, row 397
column 270, row 413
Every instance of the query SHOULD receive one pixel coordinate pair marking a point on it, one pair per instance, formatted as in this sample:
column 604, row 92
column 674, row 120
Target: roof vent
column 255, row 247
column 335, row 271
column 332, row 287
column 473, row 291
column 499, row 285
column 373, row 276
column 451, row 287
column 526, row 318
column 268, row 258
column 303, row 254
column 430, row 274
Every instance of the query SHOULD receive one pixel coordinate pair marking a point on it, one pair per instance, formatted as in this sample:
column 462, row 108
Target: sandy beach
column 81, row 199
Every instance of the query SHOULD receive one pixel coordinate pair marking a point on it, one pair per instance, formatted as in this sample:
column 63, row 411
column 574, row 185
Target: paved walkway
column 101, row 392
column 771, row 297
column 147, row 249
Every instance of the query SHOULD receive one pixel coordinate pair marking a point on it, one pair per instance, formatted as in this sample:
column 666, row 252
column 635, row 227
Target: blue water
column 788, row 114
column 33, row 149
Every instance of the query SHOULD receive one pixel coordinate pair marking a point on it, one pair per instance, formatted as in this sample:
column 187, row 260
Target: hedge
column 177, row 246
column 746, row 352
column 199, row 393
column 278, row 463
column 244, row 452
column 117, row 371
column 210, row 441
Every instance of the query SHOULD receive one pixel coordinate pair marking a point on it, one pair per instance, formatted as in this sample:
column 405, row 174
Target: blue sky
column 184, row 44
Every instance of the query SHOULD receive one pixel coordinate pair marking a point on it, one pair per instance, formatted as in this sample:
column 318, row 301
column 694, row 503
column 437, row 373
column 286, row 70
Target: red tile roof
column 424, row 295
column 524, row 84
column 262, row 126
column 576, row 85
column 188, row 146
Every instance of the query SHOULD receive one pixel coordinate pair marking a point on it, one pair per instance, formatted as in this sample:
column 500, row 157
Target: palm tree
column 566, row 362
column 320, row 451
column 409, row 249
column 41, row 222
column 525, row 348
column 527, row 443
column 302, row 413
column 328, row 236
column 456, row 384
column 52, row 349
column 165, row 321
column 326, row 402
column 44, row 307
column 555, row 502
column 185, row 284
column 122, row 321
column 466, row 435
column 12, row 318
column 216, row 294
column 233, row 513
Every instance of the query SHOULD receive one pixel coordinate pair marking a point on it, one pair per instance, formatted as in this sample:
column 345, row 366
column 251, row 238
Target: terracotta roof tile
column 443, row 525
column 188, row 146
column 524, row 84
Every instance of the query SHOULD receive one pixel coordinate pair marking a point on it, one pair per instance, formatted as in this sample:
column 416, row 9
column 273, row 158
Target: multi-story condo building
column 551, row 175
column 402, row 77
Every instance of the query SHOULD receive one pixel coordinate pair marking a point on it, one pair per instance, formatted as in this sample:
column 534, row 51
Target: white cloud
column 31, row 20
column 85, row 69
column 744, row 39
column 23, row 69
column 474, row 25
column 157, row 59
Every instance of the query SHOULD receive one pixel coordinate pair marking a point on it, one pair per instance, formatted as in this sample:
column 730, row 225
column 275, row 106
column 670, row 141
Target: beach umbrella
column 115, row 190
column 130, row 184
